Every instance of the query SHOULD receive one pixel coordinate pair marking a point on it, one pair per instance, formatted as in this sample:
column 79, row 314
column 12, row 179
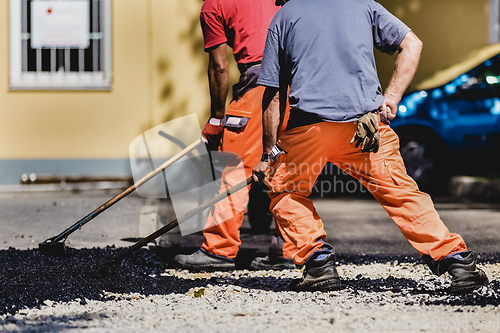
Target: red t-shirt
column 242, row 24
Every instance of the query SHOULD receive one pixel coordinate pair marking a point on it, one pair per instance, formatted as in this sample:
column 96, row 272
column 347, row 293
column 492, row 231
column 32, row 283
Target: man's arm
column 404, row 70
column 271, row 120
column 218, row 79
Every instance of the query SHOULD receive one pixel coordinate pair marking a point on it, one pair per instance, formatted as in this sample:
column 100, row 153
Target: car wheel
column 419, row 164
column 423, row 163
column 259, row 215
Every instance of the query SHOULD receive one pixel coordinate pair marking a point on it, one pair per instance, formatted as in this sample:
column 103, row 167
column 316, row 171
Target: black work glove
column 367, row 134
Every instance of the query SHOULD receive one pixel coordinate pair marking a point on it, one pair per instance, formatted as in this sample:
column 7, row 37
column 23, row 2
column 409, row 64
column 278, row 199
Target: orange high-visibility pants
column 224, row 238
column 308, row 148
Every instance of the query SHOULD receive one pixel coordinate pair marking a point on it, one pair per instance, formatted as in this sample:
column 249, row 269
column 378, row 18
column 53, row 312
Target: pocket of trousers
column 235, row 123
column 389, row 167
column 399, row 175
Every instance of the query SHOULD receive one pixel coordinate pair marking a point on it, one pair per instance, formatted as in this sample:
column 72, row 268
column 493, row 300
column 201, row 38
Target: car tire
column 424, row 162
column 259, row 215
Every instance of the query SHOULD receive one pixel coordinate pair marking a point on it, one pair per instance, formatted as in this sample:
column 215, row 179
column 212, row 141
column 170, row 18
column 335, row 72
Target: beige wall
column 80, row 124
column 159, row 73
column 448, row 29
column 153, row 69
column 179, row 63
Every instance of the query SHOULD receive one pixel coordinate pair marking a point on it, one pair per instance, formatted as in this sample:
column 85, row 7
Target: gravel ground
column 43, row 294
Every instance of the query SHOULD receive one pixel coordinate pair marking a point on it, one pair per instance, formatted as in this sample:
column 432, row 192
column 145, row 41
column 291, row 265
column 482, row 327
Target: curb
column 63, row 186
column 474, row 189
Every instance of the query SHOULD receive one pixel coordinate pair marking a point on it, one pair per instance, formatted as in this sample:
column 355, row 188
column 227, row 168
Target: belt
column 243, row 67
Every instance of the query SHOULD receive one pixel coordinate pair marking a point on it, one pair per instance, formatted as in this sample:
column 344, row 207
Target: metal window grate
column 60, row 68
column 62, row 60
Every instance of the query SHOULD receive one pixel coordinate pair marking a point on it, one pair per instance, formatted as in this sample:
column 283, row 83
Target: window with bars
column 35, row 65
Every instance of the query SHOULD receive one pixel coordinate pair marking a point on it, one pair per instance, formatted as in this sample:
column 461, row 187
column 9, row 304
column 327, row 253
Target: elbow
column 218, row 70
column 271, row 94
column 222, row 67
column 418, row 46
column 217, row 60
column 271, row 97
column 411, row 45
column 219, row 67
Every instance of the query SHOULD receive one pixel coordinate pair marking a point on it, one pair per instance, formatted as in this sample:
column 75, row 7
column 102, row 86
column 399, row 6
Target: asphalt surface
column 355, row 225
column 380, row 272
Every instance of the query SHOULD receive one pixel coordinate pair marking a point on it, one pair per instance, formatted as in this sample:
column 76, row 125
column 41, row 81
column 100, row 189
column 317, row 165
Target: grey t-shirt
column 323, row 49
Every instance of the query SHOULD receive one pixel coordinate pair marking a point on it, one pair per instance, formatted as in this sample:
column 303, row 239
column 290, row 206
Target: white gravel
column 229, row 308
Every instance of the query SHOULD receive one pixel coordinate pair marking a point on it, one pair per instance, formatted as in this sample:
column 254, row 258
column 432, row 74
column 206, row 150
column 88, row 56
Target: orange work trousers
column 308, row 148
column 223, row 239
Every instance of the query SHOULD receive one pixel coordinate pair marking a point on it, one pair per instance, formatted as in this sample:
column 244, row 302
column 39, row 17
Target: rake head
column 53, row 248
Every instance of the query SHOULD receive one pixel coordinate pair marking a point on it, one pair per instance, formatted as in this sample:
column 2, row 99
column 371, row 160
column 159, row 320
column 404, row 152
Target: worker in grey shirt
column 323, row 51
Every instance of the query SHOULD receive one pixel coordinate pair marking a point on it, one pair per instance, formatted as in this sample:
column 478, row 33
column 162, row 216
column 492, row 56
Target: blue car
column 451, row 123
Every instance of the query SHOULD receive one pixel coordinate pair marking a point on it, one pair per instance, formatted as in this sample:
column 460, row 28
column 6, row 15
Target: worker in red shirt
column 241, row 25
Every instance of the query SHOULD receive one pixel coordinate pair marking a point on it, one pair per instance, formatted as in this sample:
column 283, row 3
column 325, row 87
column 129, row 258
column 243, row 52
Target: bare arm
column 218, row 79
column 404, row 70
column 271, row 120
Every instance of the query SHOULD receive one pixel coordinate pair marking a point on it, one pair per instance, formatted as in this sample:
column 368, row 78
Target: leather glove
column 367, row 134
column 212, row 134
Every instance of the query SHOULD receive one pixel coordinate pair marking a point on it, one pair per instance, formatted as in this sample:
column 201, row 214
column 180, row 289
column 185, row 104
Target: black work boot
column 319, row 275
column 466, row 277
column 203, row 261
column 274, row 259
column 272, row 263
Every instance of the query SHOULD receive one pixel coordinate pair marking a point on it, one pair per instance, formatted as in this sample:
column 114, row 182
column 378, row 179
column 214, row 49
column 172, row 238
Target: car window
column 482, row 82
column 466, row 63
column 484, row 76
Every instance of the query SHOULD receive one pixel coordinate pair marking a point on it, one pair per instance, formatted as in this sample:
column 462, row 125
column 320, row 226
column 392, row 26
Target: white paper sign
column 60, row 24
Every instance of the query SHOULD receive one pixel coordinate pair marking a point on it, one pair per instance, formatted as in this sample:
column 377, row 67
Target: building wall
column 448, row 29
column 80, row 124
column 179, row 63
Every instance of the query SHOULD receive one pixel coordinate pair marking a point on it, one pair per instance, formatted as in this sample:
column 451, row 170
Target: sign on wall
column 60, row 24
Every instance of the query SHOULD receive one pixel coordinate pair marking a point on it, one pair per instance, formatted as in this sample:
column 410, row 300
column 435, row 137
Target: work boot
column 466, row 277
column 203, row 261
column 270, row 262
column 320, row 274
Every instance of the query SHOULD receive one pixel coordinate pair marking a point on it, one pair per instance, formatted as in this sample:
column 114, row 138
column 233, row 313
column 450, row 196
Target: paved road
column 61, row 298
column 354, row 225
column 363, row 226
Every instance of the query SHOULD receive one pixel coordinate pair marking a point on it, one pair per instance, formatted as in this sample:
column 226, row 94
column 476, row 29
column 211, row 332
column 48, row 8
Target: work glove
column 212, row 134
column 367, row 134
